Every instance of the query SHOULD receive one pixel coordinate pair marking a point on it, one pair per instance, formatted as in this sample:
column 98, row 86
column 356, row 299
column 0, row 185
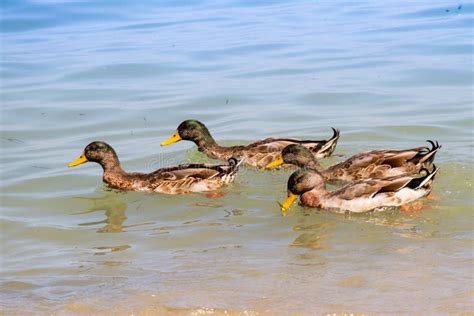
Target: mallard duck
column 257, row 154
column 173, row 180
column 371, row 164
column 360, row 196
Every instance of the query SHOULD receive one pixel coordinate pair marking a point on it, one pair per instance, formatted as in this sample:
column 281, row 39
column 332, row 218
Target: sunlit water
column 388, row 74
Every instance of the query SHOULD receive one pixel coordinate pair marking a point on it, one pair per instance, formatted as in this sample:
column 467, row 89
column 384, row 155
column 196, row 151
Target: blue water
column 389, row 74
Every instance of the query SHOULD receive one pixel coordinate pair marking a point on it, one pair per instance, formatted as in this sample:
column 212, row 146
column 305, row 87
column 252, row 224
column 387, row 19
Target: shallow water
column 387, row 75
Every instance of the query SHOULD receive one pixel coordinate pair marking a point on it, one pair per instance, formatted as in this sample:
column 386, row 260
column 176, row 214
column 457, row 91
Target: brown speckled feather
column 262, row 152
column 382, row 163
column 369, row 194
column 368, row 188
column 175, row 180
column 255, row 154
column 172, row 180
column 371, row 164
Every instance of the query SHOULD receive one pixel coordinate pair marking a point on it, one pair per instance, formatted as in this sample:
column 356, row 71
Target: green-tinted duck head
column 300, row 182
column 294, row 154
column 99, row 152
column 192, row 130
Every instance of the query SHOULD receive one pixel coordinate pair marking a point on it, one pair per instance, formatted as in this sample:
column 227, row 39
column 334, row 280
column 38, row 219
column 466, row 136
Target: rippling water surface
column 388, row 74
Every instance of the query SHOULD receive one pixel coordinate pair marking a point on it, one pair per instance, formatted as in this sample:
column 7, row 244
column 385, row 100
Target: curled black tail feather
column 429, row 157
column 232, row 161
column 420, row 182
column 336, row 134
column 427, row 154
column 234, row 165
column 330, row 145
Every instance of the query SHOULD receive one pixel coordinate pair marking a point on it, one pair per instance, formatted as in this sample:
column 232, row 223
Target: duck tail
column 427, row 155
column 231, row 170
column 424, row 181
column 234, row 165
column 331, row 143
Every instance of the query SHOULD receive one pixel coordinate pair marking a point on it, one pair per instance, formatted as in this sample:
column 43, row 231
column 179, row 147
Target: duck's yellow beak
column 173, row 139
column 288, row 202
column 278, row 162
column 79, row 161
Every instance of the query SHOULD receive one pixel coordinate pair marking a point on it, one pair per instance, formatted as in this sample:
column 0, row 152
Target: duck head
column 99, row 152
column 294, row 154
column 300, row 182
column 192, row 130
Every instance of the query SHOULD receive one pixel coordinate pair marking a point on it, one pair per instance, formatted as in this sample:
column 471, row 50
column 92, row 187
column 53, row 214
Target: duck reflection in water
column 313, row 232
column 114, row 208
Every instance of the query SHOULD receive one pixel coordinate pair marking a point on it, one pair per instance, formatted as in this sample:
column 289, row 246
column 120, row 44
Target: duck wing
column 379, row 163
column 198, row 171
column 320, row 148
column 370, row 187
column 416, row 156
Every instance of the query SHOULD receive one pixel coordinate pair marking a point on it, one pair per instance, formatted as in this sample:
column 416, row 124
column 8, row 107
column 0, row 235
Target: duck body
column 360, row 196
column 257, row 154
column 370, row 194
column 382, row 163
column 177, row 180
column 370, row 164
column 261, row 153
column 180, row 179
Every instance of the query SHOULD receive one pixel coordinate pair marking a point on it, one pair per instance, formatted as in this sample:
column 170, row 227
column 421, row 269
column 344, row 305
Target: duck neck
column 112, row 169
column 307, row 163
column 313, row 197
column 313, row 164
column 208, row 145
column 320, row 185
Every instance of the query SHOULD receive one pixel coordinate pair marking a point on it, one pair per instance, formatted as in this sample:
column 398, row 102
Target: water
column 388, row 75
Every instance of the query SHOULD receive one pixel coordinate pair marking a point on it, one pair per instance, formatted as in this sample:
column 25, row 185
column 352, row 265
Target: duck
column 370, row 164
column 179, row 179
column 257, row 154
column 359, row 196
